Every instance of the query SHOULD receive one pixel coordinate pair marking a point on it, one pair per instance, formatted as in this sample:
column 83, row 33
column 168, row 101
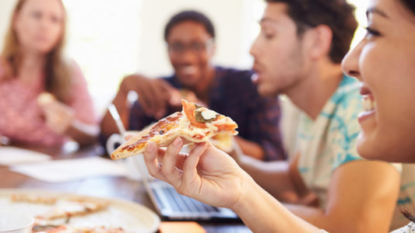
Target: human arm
column 75, row 117
column 250, row 148
column 280, row 178
column 62, row 119
column 264, row 130
column 361, row 198
column 153, row 94
column 211, row 176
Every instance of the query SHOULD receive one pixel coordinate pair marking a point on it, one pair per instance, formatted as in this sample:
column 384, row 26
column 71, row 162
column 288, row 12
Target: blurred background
column 110, row 39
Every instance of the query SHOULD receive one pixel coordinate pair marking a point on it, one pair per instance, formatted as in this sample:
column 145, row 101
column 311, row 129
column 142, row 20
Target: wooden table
column 107, row 187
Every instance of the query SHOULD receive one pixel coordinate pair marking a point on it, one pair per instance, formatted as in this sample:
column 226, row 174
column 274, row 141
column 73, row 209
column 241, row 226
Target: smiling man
column 190, row 37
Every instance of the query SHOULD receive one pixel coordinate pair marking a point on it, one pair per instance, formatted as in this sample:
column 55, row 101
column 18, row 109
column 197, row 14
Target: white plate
column 131, row 216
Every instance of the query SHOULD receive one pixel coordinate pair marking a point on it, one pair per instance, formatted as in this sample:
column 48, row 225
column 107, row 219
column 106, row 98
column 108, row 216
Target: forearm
column 272, row 176
column 82, row 133
column 108, row 125
column 313, row 215
column 263, row 213
column 249, row 148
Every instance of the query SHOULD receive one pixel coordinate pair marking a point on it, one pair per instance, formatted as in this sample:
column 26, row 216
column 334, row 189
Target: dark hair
column 194, row 16
column 410, row 4
column 336, row 14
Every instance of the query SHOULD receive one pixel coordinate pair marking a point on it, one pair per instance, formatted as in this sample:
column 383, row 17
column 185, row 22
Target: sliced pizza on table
column 73, row 208
column 68, row 229
column 194, row 124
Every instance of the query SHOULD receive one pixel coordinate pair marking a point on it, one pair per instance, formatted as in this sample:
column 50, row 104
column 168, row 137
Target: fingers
column 190, row 166
column 170, row 159
column 150, row 159
column 169, row 170
column 144, row 96
column 153, row 96
column 59, row 117
column 181, row 157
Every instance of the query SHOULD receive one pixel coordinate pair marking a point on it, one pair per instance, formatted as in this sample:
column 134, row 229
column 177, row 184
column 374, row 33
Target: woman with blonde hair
column 44, row 99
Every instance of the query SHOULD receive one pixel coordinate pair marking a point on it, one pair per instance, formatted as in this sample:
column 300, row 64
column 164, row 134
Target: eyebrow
column 374, row 10
column 263, row 20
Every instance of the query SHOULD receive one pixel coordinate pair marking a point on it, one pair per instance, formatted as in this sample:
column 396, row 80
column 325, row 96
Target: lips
column 256, row 75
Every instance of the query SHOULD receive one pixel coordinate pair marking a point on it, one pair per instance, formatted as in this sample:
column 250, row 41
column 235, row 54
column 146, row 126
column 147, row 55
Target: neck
column 32, row 65
column 202, row 88
column 316, row 89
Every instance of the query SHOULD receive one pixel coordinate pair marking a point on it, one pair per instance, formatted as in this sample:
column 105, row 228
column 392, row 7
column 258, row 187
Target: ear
column 319, row 41
column 212, row 50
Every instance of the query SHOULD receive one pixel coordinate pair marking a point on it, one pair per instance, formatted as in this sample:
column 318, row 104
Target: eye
column 372, row 32
column 55, row 19
column 36, row 14
column 176, row 47
column 268, row 34
column 198, row 46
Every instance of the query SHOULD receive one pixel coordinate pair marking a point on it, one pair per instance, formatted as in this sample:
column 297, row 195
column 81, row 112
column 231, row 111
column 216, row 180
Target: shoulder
column 344, row 126
column 73, row 66
column 75, row 72
column 348, row 103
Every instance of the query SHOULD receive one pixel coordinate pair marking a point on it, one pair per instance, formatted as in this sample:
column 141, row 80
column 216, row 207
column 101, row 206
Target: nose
column 254, row 48
column 188, row 56
column 350, row 63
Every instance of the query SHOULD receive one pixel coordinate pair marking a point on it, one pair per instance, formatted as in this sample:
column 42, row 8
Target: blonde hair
column 57, row 71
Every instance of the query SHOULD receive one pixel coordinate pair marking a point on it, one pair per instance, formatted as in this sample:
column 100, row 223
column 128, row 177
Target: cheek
column 391, row 79
column 203, row 59
column 24, row 31
column 56, row 32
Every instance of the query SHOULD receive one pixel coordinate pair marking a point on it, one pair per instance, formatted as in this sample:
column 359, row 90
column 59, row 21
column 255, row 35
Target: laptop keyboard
column 180, row 203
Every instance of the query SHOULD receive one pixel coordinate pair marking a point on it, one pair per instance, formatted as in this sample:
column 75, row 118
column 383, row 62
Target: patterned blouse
column 21, row 118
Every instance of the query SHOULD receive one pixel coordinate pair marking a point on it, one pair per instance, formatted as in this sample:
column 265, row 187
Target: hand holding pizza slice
column 194, row 124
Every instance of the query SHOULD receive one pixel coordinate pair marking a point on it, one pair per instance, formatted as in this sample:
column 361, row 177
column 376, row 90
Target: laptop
column 173, row 206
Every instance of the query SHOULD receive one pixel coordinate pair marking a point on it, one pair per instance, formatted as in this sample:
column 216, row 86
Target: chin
column 267, row 92
column 368, row 148
column 392, row 150
column 189, row 81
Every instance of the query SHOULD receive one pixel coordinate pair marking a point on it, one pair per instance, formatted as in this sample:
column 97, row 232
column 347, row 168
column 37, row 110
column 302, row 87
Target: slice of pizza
column 194, row 124
column 73, row 208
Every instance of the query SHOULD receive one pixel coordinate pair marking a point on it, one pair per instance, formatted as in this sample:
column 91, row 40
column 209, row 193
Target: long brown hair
column 57, row 72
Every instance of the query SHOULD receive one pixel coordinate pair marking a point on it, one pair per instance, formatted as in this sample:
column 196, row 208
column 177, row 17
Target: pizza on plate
column 68, row 229
column 194, row 124
column 46, row 200
column 72, row 208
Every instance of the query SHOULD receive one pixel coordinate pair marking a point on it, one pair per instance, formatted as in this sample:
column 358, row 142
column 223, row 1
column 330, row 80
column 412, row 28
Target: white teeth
column 368, row 103
column 189, row 69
